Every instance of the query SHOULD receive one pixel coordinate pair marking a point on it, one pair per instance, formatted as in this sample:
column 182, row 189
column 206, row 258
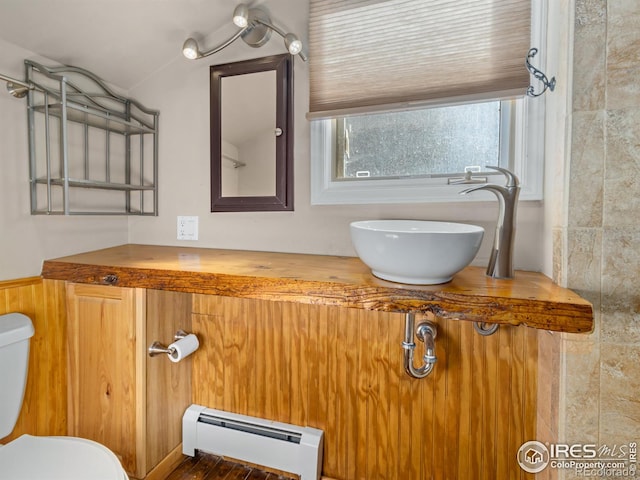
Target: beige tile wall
column 600, row 373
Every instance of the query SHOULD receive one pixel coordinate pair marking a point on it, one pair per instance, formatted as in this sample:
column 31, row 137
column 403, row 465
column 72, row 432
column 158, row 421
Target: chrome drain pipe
column 426, row 333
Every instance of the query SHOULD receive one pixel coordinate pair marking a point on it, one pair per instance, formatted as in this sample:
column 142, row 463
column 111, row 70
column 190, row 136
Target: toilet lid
column 58, row 458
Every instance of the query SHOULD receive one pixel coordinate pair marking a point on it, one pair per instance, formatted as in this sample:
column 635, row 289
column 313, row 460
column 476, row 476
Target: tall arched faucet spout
column 501, row 260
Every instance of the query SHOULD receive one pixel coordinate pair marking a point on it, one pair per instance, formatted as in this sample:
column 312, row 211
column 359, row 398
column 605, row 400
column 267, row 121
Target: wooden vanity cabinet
column 313, row 340
column 118, row 395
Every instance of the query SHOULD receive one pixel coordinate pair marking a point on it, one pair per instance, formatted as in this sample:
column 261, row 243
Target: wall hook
column 550, row 84
column 426, row 333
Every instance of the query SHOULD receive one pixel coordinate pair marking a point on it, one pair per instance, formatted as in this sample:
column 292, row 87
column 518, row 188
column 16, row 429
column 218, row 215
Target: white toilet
column 40, row 458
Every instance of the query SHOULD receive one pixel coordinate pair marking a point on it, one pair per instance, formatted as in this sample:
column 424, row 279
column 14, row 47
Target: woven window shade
column 379, row 55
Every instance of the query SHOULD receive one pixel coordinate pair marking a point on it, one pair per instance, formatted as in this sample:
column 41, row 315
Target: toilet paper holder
column 157, row 348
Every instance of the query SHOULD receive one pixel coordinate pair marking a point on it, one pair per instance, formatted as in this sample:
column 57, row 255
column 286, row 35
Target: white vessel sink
column 417, row 252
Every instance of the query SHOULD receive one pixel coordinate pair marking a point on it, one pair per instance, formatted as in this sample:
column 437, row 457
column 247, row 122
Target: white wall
column 26, row 240
column 181, row 92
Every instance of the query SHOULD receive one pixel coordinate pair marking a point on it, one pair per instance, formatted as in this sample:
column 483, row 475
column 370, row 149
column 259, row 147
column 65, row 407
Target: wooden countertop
column 530, row 299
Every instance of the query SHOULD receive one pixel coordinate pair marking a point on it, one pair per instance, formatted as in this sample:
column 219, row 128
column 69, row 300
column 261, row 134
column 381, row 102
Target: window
column 419, row 143
column 405, row 117
column 422, row 155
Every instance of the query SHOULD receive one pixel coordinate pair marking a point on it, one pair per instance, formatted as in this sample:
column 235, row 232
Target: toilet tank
column 15, row 331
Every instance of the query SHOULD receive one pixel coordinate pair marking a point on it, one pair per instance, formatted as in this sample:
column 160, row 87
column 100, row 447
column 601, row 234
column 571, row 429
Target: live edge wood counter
column 530, row 299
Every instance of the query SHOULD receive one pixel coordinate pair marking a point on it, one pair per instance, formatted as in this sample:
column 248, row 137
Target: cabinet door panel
column 341, row 370
column 107, row 370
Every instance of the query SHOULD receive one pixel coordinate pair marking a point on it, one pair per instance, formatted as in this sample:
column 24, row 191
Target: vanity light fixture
column 241, row 16
column 255, row 29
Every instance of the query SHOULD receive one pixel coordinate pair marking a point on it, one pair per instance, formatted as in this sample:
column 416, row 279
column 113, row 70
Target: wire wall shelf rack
column 91, row 150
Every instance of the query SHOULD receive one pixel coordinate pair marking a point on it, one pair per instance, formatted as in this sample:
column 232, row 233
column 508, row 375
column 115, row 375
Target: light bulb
column 241, row 16
column 190, row 49
column 293, row 43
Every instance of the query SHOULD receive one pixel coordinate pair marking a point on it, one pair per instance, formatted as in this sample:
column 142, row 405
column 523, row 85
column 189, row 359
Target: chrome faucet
column 501, row 261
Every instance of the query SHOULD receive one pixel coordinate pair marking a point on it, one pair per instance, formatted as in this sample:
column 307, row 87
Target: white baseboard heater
column 282, row 446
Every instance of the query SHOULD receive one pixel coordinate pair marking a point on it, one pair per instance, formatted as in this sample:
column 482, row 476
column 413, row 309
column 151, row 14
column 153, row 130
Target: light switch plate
column 187, row 228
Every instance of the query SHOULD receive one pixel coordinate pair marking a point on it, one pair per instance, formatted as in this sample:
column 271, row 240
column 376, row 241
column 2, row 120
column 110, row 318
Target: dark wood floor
column 210, row 467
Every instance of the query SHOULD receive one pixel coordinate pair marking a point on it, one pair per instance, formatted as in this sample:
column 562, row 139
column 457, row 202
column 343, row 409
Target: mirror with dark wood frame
column 252, row 135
